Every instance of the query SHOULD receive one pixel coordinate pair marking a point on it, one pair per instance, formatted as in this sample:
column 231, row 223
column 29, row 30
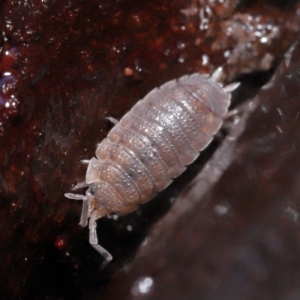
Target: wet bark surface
column 65, row 65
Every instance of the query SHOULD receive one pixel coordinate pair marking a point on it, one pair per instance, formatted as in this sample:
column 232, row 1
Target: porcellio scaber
column 150, row 146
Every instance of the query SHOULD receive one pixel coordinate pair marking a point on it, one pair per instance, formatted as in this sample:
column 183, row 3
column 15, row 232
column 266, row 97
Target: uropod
column 151, row 145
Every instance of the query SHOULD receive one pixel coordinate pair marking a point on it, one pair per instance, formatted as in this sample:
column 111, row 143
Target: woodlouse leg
column 231, row 87
column 79, row 185
column 217, row 74
column 75, row 196
column 84, row 213
column 112, row 120
column 231, row 114
column 86, row 207
column 85, row 161
column 228, row 89
column 96, row 214
column 234, row 115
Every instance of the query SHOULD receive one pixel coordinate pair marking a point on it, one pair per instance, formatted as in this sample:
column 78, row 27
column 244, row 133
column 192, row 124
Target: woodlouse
column 151, row 145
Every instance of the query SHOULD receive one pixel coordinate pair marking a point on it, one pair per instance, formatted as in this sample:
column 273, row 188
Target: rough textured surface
column 64, row 66
column 241, row 239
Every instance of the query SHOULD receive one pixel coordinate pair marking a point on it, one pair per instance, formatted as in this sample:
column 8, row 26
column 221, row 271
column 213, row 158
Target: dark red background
column 64, row 66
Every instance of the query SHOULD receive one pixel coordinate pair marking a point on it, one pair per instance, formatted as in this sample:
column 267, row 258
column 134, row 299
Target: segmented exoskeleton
column 151, row 145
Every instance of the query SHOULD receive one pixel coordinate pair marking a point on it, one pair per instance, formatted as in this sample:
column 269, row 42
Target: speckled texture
column 64, row 66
